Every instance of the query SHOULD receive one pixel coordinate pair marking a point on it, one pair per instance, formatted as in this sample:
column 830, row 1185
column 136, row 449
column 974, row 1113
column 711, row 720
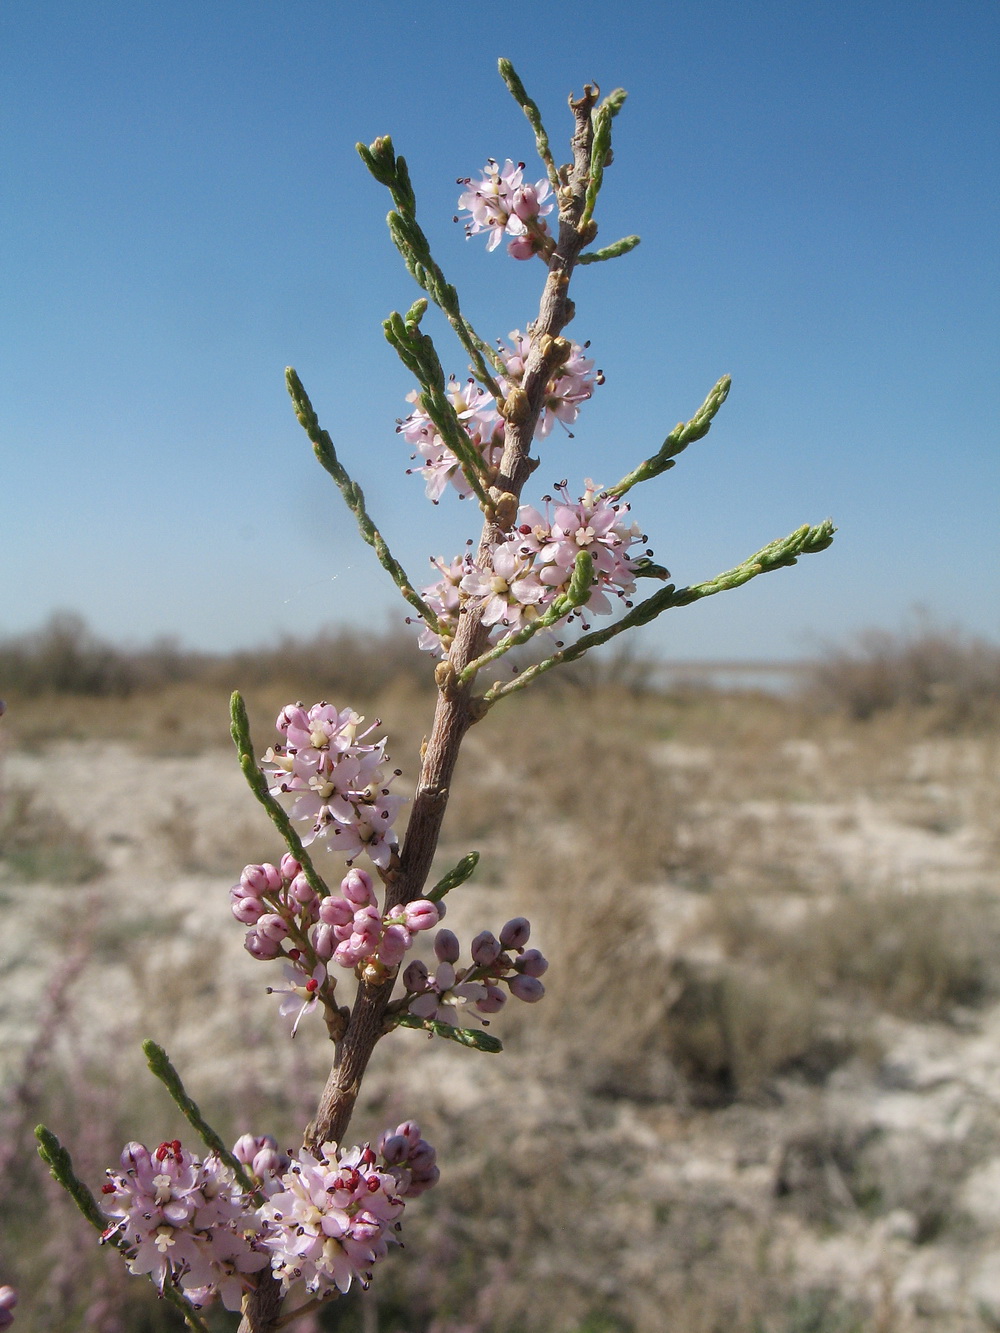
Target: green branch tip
column 612, row 251
column 470, row 1037
column 60, row 1165
column 161, row 1068
column 530, row 108
column 683, row 434
column 456, row 876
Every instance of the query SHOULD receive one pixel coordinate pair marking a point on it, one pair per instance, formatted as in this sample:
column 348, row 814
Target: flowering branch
column 785, row 551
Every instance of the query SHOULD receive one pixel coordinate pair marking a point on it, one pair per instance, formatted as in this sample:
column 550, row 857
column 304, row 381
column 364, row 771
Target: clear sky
column 816, row 186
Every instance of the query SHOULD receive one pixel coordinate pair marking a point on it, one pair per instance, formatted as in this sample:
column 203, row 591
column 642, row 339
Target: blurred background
column 759, row 844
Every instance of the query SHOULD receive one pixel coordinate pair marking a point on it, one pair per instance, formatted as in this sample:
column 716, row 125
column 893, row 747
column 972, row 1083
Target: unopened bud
column 532, row 963
column 324, row 942
column 336, row 911
column 485, row 949
column 394, row 1149
column 493, row 1001
column 356, row 886
column 273, row 926
column 515, row 933
column 395, row 942
column 529, row 989
column 259, row 946
column 421, row 915
column 446, row 946
column 415, row 977
column 289, row 867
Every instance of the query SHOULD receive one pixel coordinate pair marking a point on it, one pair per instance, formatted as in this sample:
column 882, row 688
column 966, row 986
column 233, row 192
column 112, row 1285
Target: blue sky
column 816, row 189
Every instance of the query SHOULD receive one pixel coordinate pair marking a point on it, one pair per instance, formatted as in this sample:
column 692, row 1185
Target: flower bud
column 446, row 946
column 324, row 942
column 493, row 1001
column 273, row 926
column 421, row 915
column 394, row 1149
column 245, row 908
column 302, row 892
column 135, row 1157
column 289, row 867
column 395, row 942
column 422, row 1180
column 269, row 1162
column 521, row 247
column 368, row 924
column 350, row 952
column 356, row 886
column 261, row 879
column 336, row 911
column 532, row 964
column 485, row 949
column 259, row 946
column 8, row 1296
column 525, row 202
column 515, row 933
column 246, row 1148
column 292, row 715
column 421, row 1156
column 415, row 977
column 529, row 989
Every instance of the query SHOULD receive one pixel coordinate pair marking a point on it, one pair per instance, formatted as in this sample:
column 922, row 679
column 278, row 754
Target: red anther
column 161, row 1151
column 108, row 1188
column 312, row 985
column 176, row 1145
column 295, row 954
column 374, row 1184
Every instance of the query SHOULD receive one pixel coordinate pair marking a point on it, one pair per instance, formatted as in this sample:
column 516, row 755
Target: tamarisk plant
column 275, row 1234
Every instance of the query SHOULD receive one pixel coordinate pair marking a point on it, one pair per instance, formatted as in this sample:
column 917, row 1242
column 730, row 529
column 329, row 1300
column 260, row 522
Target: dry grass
column 716, row 966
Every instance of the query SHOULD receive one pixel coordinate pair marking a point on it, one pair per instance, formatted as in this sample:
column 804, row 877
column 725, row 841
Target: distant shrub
column 954, row 674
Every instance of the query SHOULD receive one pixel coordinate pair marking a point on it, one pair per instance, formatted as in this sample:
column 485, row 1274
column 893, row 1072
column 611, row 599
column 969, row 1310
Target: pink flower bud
column 532, row 963
column 135, row 1157
column 521, row 247
column 395, row 942
column 394, row 1149
column 8, row 1297
column 273, row 926
column 289, row 867
column 485, row 948
column 525, row 203
column 356, row 886
column 292, row 715
column 269, row 1162
column 246, row 1148
column 493, row 1001
column 415, row 977
column 336, row 911
column 410, row 1131
column 324, row 942
column 421, row 915
column 446, row 946
column 421, row 1156
column 259, row 946
column 261, row 879
column 245, row 908
column 422, row 1180
column 302, row 892
column 350, row 952
column 368, row 924
column 529, row 989
column 515, row 933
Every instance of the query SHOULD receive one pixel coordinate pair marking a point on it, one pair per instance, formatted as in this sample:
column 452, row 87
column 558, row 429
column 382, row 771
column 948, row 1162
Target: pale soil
column 879, row 1182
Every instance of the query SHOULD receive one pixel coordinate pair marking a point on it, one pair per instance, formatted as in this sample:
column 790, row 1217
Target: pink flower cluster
column 572, row 385
column 535, row 564
column 288, row 919
column 502, row 204
column 337, row 780
column 324, row 1218
column 446, row 995
column 183, row 1221
column 480, row 420
column 361, row 932
column 331, row 1219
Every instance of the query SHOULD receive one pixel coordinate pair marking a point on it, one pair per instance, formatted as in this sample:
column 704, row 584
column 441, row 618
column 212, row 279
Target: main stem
column 457, row 708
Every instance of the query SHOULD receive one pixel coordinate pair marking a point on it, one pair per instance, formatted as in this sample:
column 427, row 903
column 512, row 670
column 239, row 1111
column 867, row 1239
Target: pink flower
column 302, row 994
column 500, row 203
